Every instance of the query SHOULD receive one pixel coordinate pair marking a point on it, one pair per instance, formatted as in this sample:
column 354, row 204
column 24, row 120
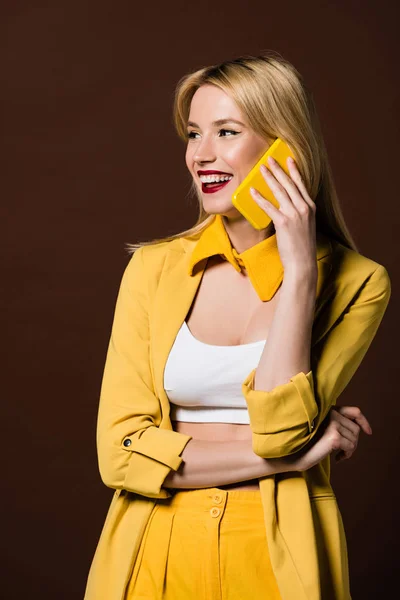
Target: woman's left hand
column 338, row 433
column 294, row 221
column 352, row 421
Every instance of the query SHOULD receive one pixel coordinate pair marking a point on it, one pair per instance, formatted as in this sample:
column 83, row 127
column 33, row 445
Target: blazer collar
column 261, row 261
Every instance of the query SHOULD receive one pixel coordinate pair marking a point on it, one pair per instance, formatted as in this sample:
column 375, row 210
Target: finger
column 340, row 440
column 346, row 427
column 345, row 434
column 354, row 413
column 349, row 435
column 266, row 206
column 279, row 191
column 346, row 445
column 346, row 422
column 297, row 178
column 286, row 183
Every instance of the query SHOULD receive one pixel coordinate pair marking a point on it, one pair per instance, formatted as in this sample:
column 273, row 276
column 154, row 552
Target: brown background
column 90, row 161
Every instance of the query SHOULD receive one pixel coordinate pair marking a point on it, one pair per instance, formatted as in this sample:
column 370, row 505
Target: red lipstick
column 211, row 172
column 208, row 188
column 215, row 187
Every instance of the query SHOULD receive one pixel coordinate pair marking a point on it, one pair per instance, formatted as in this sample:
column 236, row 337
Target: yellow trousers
column 207, row 544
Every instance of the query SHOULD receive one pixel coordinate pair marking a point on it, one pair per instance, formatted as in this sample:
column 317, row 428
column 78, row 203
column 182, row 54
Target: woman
column 228, row 351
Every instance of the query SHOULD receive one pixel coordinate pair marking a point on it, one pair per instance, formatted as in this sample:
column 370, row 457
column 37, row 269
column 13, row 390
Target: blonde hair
column 271, row 93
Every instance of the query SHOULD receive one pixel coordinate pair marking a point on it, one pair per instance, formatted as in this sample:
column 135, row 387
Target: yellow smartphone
column 242, row 198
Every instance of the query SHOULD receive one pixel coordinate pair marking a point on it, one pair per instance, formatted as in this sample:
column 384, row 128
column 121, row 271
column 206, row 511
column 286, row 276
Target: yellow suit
column 137, row 446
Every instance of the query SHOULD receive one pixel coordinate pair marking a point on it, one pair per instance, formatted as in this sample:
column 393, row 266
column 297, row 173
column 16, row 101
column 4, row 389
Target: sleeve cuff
column 288, row 405
column 154, row 454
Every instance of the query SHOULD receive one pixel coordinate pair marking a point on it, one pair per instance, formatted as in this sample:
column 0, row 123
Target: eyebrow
column 218, row 122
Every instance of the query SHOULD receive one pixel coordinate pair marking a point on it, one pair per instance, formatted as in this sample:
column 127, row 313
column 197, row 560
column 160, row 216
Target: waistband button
column 215, row 512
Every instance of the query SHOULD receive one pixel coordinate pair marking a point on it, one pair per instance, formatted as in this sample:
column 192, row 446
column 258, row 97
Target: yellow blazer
column 137, row 446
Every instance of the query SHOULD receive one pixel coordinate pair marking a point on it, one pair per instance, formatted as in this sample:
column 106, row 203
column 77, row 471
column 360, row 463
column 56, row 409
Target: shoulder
column 147, row 262
column 356, row 279
column 155, row 254
column 352, row 265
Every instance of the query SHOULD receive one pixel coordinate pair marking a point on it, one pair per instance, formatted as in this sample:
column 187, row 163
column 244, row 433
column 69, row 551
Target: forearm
column 287, row 349
column 210, row 464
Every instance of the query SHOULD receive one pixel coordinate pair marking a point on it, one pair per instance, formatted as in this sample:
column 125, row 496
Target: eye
column 190, row 135
column 229, row 131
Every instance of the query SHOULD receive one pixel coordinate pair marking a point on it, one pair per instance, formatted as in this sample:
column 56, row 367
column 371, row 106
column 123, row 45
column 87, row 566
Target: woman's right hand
column 340, row 433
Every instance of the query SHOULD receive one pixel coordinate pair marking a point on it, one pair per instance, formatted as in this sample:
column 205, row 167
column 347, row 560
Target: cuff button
column 127, row 442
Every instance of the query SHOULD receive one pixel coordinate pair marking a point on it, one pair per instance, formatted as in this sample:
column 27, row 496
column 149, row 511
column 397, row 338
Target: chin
column 224, row 208
column 215, row 205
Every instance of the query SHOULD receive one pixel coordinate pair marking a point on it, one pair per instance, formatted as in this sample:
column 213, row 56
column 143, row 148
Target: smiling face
column 230, row 147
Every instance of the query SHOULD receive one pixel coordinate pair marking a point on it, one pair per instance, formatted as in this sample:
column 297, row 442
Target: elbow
column 109, row 481
column 112, row 467
column 135, row 483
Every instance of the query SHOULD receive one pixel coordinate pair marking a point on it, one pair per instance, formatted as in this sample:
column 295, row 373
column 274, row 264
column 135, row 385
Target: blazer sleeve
column 134, row 453
column 284, row 419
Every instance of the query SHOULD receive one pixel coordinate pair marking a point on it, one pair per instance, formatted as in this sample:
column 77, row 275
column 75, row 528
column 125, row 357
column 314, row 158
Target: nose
column 205, row 151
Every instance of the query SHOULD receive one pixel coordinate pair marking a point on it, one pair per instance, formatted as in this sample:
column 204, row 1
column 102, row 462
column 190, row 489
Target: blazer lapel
column 176, row 291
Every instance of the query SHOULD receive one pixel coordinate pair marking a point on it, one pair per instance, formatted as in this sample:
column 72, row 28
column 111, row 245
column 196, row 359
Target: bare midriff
column 226, row 311
column 222, row 432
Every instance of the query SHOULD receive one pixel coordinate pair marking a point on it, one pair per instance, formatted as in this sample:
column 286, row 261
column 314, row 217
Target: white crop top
column 204, row 382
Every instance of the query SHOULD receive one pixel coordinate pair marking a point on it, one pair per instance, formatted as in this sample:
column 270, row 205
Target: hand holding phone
column 242, row 198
